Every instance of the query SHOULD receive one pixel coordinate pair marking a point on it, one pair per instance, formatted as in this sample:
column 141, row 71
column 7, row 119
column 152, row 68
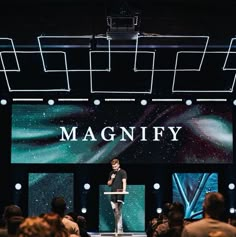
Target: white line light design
column 109, row 53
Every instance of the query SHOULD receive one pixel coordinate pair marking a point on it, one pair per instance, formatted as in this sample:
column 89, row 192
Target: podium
column 116, row 234
column 110, row 193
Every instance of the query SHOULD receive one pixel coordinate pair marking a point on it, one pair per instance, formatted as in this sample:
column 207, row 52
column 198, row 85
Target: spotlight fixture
column 143, row 102
column 97, row 102
column 87, row 186
column 232, row 210
column 159, row 210
column 156, row 186
column 51, row 102
column 3, row 102
column 231, row 186
column 18, row 186
column 189, row 102
column 83, row 210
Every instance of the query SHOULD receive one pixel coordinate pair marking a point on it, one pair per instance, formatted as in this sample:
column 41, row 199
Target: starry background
column 62, row 184
column 58, row 184
column 205, row 137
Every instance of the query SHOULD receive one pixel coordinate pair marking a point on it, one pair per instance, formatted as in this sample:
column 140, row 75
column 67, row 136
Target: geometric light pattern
column 145, row 63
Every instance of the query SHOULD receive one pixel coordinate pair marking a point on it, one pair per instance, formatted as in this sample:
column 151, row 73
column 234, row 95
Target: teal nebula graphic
column 42, row 187
column 205, row 134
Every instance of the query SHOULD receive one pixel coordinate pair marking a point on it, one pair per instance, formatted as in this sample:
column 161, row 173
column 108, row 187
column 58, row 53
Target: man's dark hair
column 11, row 210
column 58, row 205
column 178, row 207
column 214, row 204
column 166, row 208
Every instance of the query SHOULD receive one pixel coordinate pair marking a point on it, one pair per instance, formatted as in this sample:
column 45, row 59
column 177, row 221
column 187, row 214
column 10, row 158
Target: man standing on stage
column 118, row 181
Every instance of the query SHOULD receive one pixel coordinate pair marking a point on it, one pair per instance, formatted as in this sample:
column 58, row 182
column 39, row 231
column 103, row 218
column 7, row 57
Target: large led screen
column 43, row 187
column 132, row 209
column 190, row 190
column 155, row 133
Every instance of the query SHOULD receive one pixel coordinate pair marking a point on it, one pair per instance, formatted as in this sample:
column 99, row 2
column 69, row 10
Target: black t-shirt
column 117, row 184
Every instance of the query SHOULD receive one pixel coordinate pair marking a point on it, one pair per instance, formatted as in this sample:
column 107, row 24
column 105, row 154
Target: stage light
column 232, row 210
column 188, row 102
column 159, row 210
column 83, row 210
column 234, row 102
column 231, row 186
column 18, row 186
column 143, row 102
column 156, row 186
column 3, row 102
column 51, row 102
column 96, row 102
column 86, row 186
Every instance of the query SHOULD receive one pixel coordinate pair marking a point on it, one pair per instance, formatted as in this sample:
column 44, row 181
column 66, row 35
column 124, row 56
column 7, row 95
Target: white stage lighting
column 18, row 186
column 156, row 186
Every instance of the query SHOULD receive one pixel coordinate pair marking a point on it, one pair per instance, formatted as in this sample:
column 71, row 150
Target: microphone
column 113, row 174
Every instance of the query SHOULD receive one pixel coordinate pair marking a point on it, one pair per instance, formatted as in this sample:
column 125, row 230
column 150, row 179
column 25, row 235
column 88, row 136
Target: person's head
column 34, row 227
column 166, row 209
column 11, row 210
column 58, row 205
column 81, row 221
column 177, row 207
column 213, row 205
column 175, row 218
column 115, row 163
column 154, row 220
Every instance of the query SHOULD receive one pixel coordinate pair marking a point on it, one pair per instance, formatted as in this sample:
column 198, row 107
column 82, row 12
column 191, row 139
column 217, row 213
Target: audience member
column 34, row 227
column 162, row 228
column 175, row 224
column 58, row 205
column 152, row 225
column 173, row 217
column 9, row 211
column 82, row 223
column 213, row 208
column 13, row 224
column 232, row 220
column 57, row 227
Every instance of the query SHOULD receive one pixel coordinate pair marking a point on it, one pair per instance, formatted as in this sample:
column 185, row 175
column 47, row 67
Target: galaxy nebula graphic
column 206, row 134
